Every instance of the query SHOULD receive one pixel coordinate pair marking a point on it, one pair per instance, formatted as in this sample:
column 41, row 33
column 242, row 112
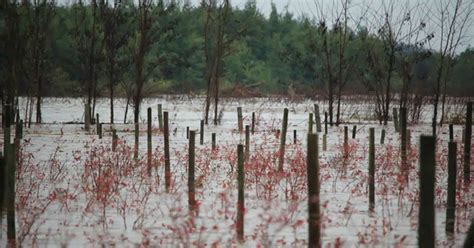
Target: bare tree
column 86, row 33
column 114, row 22
column 218, row 38
column 40, row 15
column 335, row 53
column 452, row 17
column 392, row 25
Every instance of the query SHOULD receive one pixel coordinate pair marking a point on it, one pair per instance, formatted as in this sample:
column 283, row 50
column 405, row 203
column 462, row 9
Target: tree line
column 135, row 49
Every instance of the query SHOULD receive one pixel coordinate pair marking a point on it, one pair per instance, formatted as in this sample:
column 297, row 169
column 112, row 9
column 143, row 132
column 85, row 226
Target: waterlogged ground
column 73, row 191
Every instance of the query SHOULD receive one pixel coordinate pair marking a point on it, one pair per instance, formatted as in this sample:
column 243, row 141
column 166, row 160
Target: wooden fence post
column 451, row 197
column 201, row 134
column 371, row 169
column 325, row 122
column 167, row 151
column 283, row 140
column 314, row 220
column 382, row 137
column 214, row 141
column 114, row 139
column 253, row 122
column 317, row 117
column 247, row 142
column 191, row 183
column 426, row 216
column 160, row 116
column 149, row 144
column 395, row 120
column 467, row 144
column 240, row 200
column 403, row 125
column 239, row 119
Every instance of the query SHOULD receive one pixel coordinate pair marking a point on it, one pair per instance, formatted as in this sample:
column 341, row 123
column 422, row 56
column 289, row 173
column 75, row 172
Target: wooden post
column 467, row 144
column 20, row 132
column 317, row 118
column 253, row 122
column 240, row 200
column 408, row 141
column 451, row 198
column 160, row 116
column 295, row 137
column 354, row 131
column 469, row 241
column 149, row 144
column 325, row 142
column 2, row 183
column 371, row 169
column 346, row 138
column 100, row 130
column 314, row 225
column 191, row 184
column 283, row 140
column 239, row 119
column 213, row 141
column 403, row 154
column 114, row 139
column 326, row 122
column 201, row 133
column 395, row 120
column 451, row 132
column 167, row 151
column 382, row 137
column 10, row 194
column 87, row 119
column 97, row 121
column 310, row 123
column 137, row 141
column 247, row 142
column 426, row 216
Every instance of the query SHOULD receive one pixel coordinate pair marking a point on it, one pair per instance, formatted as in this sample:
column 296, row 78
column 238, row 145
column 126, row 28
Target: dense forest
column 135, row 49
